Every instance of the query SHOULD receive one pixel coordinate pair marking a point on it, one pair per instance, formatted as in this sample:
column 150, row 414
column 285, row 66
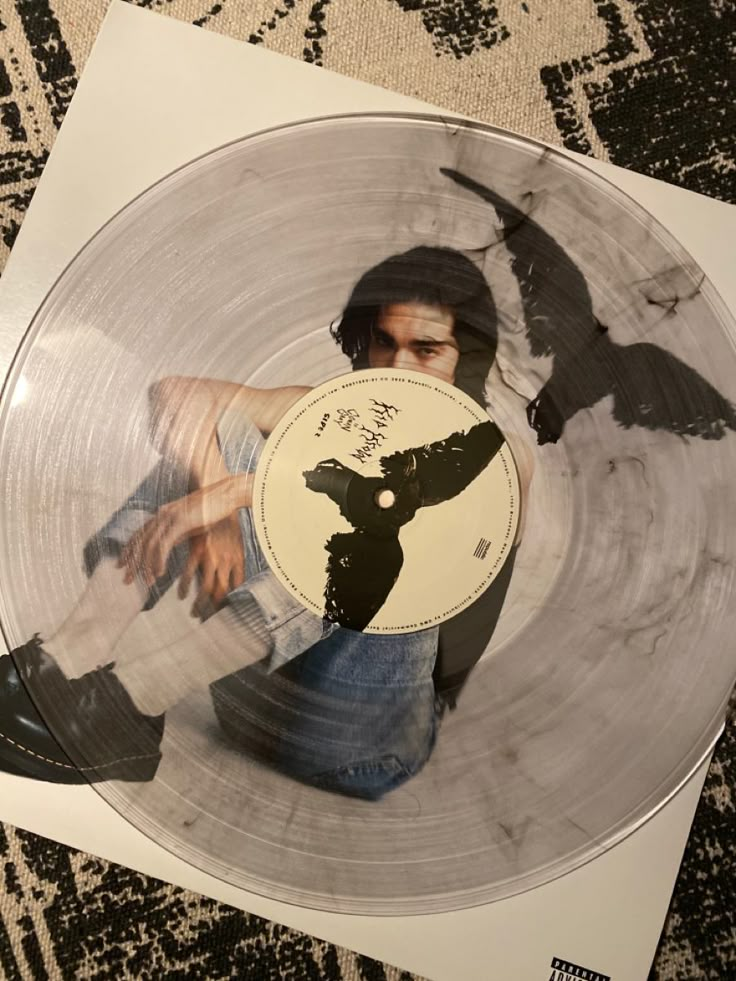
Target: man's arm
column 184, row 414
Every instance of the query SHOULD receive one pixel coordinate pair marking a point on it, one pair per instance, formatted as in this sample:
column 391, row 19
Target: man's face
column 415, row 336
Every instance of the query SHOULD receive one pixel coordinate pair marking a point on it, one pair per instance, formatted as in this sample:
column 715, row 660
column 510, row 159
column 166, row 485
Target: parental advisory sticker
column 567, row 971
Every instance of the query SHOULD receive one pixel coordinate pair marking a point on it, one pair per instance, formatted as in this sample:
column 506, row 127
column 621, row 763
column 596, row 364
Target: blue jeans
column 349, row 712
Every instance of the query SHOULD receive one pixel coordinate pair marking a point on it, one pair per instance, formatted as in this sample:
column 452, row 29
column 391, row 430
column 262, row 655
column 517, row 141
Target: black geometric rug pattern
column 646, row 84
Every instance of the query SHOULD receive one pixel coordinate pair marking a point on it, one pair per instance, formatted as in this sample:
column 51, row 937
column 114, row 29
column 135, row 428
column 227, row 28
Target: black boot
column 105, row 737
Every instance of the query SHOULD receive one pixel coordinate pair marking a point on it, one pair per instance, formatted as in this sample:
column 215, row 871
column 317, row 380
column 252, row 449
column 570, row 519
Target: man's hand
column 217, row 557
column 147, row 553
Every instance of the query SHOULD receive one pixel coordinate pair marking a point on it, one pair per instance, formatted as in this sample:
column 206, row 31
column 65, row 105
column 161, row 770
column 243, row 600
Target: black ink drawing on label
column 364, row 565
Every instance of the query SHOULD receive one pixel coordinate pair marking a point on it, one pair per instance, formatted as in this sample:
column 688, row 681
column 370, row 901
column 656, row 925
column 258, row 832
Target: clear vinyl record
column 367, row 514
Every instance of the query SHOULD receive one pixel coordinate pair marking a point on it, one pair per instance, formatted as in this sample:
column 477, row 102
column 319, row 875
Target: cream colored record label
column 386, row 501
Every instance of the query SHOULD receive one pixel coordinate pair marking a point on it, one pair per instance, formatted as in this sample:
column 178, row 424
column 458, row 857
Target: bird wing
column 651, row 387
column 443, row 469
column 361, row 572
column 654, row 389
column 558, row 311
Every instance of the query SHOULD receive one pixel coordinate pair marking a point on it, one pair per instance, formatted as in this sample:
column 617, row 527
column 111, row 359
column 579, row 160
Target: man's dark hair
column 437, row 277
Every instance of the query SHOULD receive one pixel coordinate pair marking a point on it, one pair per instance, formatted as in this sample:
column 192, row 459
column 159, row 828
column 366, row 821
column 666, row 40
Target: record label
column 367, row 481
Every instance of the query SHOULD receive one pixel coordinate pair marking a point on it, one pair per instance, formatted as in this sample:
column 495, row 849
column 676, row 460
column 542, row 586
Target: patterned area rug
column 646, row 84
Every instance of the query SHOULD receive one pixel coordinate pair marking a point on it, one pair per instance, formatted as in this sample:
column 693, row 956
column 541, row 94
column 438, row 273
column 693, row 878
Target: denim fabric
column 292, row 628
column 355, row 713
column 349, row 712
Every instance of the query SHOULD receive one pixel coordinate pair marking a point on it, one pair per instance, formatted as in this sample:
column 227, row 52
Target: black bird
column 651, row 388
column 364, row 564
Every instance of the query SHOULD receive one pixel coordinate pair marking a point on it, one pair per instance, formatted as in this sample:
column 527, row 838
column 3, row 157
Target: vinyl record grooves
column 586, row 366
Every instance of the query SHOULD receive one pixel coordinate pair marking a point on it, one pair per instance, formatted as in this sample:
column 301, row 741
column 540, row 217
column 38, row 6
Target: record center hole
column 384, row 498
